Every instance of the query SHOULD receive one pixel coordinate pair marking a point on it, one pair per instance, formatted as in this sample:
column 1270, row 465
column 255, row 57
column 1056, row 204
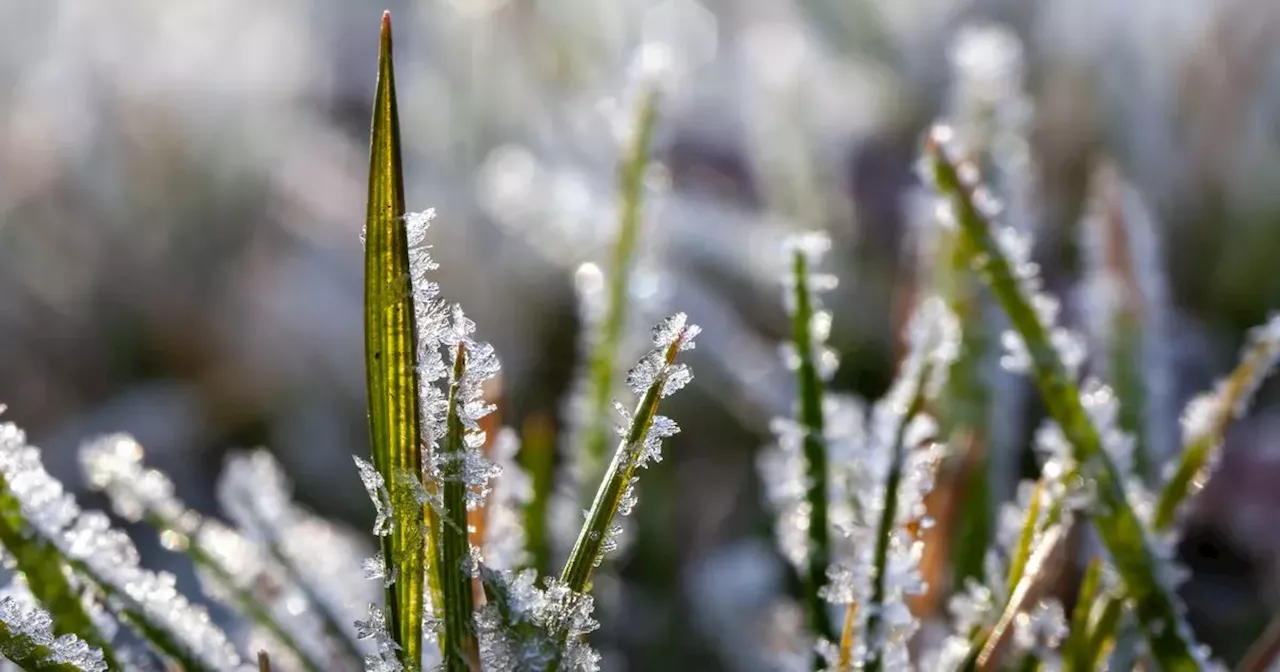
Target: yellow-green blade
column 390, row 361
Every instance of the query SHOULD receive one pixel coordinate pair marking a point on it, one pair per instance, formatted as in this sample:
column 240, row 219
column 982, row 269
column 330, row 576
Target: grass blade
column 633, row 451
column 1117, row 523
column 459, row 645
column 810, row 386
column 1075, row 651
column 537, row 457
column 602, row 361
column 390, row 362
column 1207, row 417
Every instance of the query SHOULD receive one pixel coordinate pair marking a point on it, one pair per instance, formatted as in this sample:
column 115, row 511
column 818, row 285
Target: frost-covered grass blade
column 970, row 209
column 810, row 385
column 46, row 576
column 391, row 365
column 459, row 644
column 655, row 376
column 1206, row 418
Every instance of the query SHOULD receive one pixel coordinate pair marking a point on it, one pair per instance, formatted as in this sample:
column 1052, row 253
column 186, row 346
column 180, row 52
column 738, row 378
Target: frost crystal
column 384, row 518
column 522, row 626
column 1042, row 630
column 30, row 629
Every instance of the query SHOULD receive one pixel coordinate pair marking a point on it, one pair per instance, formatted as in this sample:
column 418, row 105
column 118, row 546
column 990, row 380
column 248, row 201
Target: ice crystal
column 30, row 629
column 107, row 556
column 522, row 627
column 374, row 628
column 1041, row 630
column 384, row 519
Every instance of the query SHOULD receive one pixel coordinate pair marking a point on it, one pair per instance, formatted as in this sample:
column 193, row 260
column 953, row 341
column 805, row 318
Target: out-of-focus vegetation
column 181, row 186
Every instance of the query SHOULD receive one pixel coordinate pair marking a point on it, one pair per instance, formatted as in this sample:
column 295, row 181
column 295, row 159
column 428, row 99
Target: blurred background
column 182, row 191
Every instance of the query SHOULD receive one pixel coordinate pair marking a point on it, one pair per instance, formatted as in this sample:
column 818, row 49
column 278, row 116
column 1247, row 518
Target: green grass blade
column 1102, row 630
column 1117, row 523
column 964, row 408
column 459, row 644
column 603, row 358
column 884, row 528
column 1207, row 417
column 390, row 361
column 1022, row 552
column 589, row 547
column 537, row 457
column 1075, row 651
column 810, row 387
column 44, row 568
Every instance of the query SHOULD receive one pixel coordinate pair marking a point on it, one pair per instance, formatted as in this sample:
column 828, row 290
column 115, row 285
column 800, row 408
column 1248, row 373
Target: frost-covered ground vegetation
column 448, row 577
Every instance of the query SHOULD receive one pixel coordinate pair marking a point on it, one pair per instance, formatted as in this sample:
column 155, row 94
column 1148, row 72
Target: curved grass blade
column 810, row 386
column 46, row 576
column 1117, row 523
column 459, row 644
column 1022, row 552
column 1207, row 417
column 602, row 361
column 390, row 362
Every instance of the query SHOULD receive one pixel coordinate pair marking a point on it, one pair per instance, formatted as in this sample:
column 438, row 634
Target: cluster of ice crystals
column 113, row 464
column 1041, row 630
column 31, row 628
column 107, row 554
column 522, row 627
column 384, row 520
column 374, row 628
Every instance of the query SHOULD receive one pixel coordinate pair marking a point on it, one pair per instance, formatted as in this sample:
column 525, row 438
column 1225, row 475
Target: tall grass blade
column 602, row 361
column 1117, row 523
column 537, row 457
column 459, row 645
column 810, row 386
column 390, row 363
